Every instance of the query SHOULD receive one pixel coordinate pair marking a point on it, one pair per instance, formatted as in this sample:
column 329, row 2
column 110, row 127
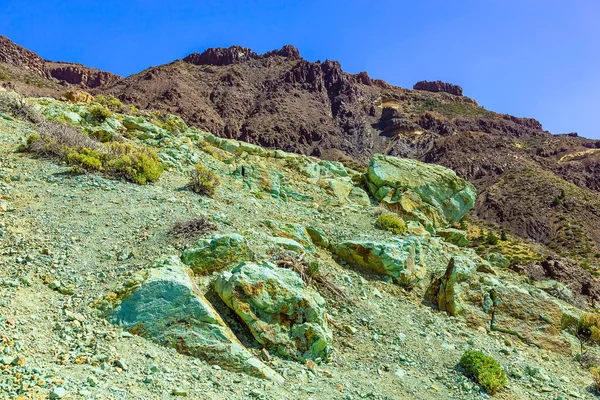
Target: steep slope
column 280, row 100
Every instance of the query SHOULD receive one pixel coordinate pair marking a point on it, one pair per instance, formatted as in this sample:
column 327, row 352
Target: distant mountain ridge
column 540, row 186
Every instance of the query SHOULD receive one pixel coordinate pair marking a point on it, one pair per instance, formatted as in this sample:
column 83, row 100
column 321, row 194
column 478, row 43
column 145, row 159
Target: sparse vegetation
column 192, row 228
column 595, row 371
column 15, row 105
column 110, row 102
column 484, row 370
column 203, row 181
column 98, row 113
column 66, row 143
column 392, row 223
column 588, row 327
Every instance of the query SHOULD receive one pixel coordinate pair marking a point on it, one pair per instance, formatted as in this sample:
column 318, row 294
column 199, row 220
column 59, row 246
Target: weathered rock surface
column 430, row 194
column 282, row 313
column 438, row 86
column 291, row 231
column 454, row 236
column 11, row 53
column 217, row 252
column 164, row 305
column 80, row 75
column 400, row 258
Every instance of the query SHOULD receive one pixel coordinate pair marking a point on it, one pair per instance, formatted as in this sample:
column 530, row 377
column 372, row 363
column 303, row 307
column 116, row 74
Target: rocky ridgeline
column 241, row 298
column 438, row 86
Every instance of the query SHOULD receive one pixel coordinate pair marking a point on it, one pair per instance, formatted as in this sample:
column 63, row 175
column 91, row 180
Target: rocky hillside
column 270, row 275
column 30, row 74
column 539, row 186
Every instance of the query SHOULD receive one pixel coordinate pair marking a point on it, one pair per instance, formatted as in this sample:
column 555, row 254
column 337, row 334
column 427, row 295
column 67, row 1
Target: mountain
column 537, row 185
column 31, row 74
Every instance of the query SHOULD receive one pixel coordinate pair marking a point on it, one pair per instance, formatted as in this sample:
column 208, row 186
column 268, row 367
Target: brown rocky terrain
column 537, row 185
column 32, row 75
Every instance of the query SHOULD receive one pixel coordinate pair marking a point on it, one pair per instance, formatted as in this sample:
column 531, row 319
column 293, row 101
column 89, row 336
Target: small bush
column 595, row 371
column 588, row 327
column 203, row 181
column 192, row 228
column 64, row 142
column 98, row 113
column 503, row 236
column 491, row 239
column 391, row 223
column 484, row 370
column 110, row 102
column 14, row 104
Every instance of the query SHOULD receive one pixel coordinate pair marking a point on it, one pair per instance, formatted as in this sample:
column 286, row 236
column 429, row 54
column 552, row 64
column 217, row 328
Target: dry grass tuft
column 191, row 229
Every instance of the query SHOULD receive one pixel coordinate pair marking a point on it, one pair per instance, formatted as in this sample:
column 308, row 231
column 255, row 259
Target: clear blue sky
column 529, row 58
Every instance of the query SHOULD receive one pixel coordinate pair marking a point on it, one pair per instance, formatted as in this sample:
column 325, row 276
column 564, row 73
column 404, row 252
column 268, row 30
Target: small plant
column 491, row 239
column 484, row 370
column 595, row 371
column 503, row 236
column 110, row 102
column 192, row 228
column 203, row 181
column 14, row 104
column 98, row 113
column 391, row 223
column 588, row 327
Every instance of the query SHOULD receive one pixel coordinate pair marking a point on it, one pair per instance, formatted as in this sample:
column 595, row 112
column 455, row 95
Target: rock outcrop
column 282, row 313
column 164, row 305
column 430, row 194
column 13, row 54
column 217, row 252
column 438, row 86
column 80, row 75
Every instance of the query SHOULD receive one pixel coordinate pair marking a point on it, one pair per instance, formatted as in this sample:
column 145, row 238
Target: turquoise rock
column 217, row 252
column 400, row 258
column 318, row 236
column 164, row 305
column 454, row 236
column 282, row 313
column 260, row 178
column 292, row 231
column 335, row 168
column 428, row 193
column 288, row 244
column 140, row 124
column 497, row 260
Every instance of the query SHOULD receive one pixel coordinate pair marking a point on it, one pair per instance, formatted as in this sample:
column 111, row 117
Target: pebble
column 57, row 393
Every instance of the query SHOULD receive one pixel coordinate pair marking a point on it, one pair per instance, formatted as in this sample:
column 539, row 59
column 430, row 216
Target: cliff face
column 23, row 63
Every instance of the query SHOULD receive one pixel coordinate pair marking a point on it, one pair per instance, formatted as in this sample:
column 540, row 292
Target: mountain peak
column 219, row 56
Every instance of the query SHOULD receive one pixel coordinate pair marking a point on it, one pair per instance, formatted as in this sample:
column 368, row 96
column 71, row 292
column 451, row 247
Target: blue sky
column 529, row 58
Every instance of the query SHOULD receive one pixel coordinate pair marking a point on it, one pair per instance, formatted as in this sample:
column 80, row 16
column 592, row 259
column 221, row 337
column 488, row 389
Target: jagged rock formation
column 79, row 75
column 13, row 54
column 438, row 86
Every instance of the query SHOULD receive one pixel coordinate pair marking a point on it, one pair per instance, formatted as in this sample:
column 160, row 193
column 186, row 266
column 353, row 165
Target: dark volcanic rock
column 11, row 53
column 76, row 74
column 221, row 56
column 578, row 281
column 438, row 86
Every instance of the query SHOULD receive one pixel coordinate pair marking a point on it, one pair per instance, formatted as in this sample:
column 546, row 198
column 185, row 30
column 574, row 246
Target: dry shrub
column 309, row 272
column 588, row 327
column 14, row 104
column 203, row 181
column 595, row 371
column 192, row 228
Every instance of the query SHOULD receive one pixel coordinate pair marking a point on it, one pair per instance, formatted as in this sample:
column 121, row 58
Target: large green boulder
column 281, row 311
column 400, row 258
column 291, row 230
column 217, row 252
column 454, row 236
column 428, row 193
column 164, row 305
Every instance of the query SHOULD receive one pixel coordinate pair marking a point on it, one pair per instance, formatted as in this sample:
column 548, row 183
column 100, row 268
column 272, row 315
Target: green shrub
column 110, row 102
column 391, row 223
column 491, row 239
column 503, row 236
column 64, row 142
column 484, row 370
column 98, row 113
column 588, row 327
column 203, row 181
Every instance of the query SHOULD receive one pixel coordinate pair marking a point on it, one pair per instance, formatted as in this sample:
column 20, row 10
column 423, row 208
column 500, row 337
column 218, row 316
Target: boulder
column 454, row 236
column 287, row 244
column 428, row 193
column 78, row 96
column 164, row 305
column 259, row 178
column 217, row 252
column 318, row 236
column 400, row 258
column 282, row 313
column 497, row 260
column 139, row 124
column 292, row 231
column 343, row 189
column 530, row 315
